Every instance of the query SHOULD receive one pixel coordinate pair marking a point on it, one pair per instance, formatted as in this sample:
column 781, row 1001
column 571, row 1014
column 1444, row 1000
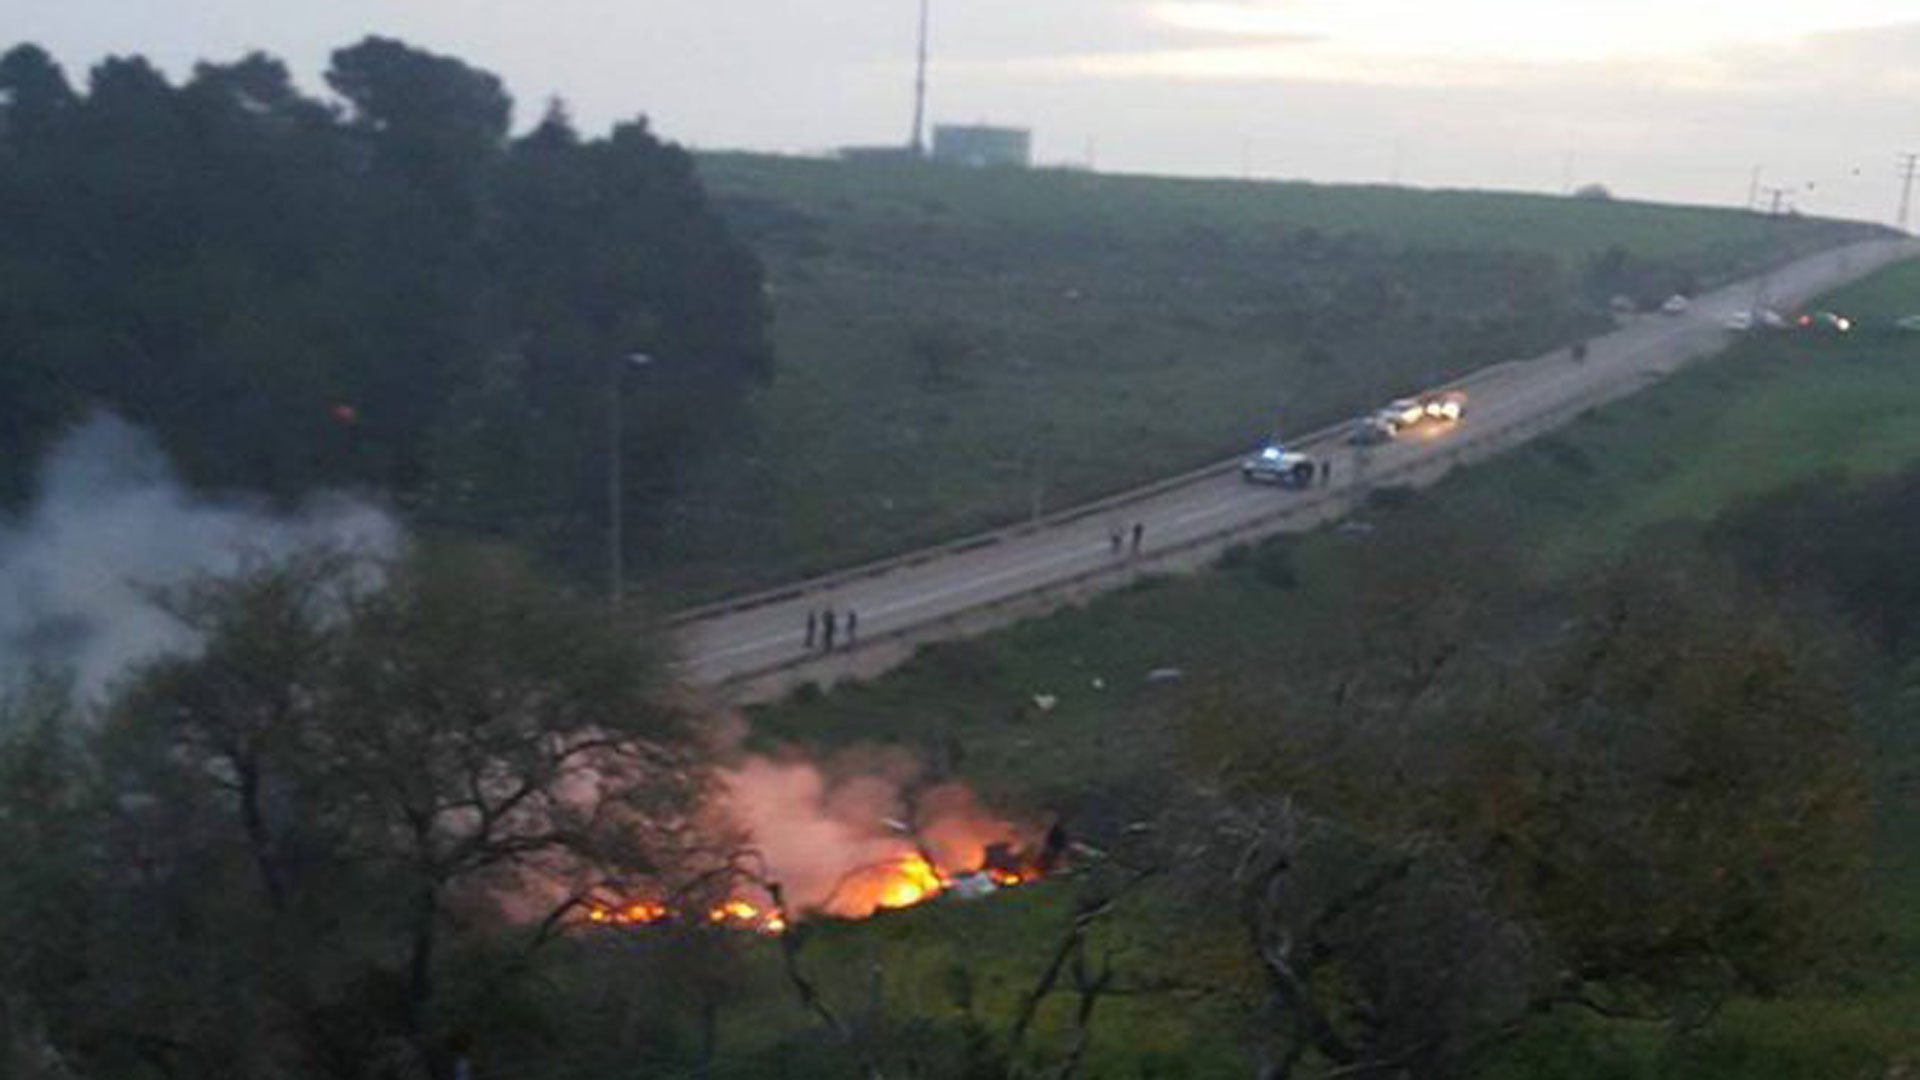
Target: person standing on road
column 813, row 627
column 853, row 625
column 1326, row 471
column 1139, row 530
column 826, row 630
column 1114, row 539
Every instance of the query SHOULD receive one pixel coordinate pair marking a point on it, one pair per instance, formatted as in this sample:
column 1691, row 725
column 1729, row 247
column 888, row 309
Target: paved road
column 915, row 599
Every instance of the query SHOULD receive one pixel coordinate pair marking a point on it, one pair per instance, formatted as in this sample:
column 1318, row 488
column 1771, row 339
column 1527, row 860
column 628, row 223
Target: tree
column 45, row 900
column 1635, row 796
column 604, row 249
column 1683, row 807
column 34, row 95
column 390, row 292
column 330, row 835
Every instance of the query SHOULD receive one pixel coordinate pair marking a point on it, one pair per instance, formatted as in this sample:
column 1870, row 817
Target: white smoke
column 828, row 830
column 110, row 523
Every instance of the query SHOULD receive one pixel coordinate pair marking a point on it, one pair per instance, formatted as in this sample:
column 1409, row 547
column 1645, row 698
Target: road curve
column 753, row 649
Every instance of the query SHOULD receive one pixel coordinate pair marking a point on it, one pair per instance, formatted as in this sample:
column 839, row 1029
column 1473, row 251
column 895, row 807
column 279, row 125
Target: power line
column 1909, row 168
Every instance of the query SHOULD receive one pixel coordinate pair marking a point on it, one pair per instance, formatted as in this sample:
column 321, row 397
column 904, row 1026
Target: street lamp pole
column 616, row 505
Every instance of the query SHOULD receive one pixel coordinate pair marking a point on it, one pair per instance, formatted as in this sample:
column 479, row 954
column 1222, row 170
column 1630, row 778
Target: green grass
column 1770, row 412
column 1774, row 411
column 1116, row 329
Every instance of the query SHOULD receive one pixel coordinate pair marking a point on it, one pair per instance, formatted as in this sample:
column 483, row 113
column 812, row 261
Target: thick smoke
column 833, row 832
column 111, row 523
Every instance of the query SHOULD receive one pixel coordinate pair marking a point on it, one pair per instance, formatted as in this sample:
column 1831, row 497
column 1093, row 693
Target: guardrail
column 1056, row 519
column 1420, row 471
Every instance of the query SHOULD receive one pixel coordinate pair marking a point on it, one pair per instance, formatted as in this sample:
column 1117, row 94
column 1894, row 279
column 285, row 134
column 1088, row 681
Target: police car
column 1275, row 464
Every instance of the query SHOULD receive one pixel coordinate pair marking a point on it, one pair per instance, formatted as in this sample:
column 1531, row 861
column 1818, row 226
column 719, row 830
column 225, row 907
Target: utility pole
column 616, row 502
column 1909, row 167
column 919, row 141
column 616, row 583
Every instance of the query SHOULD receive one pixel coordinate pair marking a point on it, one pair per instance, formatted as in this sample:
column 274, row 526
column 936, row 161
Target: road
column 754, row 648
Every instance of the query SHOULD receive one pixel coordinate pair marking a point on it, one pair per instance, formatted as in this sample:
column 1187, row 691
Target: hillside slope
column 959, row 349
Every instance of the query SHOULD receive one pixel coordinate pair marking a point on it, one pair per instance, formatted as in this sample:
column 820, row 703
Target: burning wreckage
column 904, row 879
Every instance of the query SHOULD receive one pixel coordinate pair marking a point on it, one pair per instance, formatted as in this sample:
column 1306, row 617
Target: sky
column 1673, row 100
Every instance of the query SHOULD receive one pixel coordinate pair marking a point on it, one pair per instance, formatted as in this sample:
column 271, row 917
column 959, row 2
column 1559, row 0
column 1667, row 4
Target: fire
column 888, row 886
column 901, row 881
column 847, row 839
column 638, row 913
column 742, row 915
column 736, row 913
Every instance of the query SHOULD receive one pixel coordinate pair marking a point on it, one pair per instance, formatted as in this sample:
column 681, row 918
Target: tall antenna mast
column 1909, row 168
column 918, row 144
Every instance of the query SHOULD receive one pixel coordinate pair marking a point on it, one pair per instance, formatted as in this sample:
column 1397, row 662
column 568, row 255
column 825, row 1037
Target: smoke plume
column 836, row 834
column 110, row 524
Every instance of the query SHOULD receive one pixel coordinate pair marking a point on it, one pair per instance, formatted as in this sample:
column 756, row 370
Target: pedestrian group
column 827, row 628
column 824, row 626
column 1117, row 538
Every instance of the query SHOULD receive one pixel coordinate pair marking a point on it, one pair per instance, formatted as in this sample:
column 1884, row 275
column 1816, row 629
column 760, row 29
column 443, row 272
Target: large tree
column 1469, row 799
column 276, row 854
column 386, row 289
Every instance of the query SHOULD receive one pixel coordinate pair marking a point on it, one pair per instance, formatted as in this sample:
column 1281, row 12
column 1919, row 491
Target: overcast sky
column 1661, row 99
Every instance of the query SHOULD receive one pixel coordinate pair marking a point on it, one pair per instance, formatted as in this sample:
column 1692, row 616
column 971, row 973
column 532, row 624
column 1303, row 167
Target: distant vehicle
column 1772, row 319
column 1404, row 412
column 1676, row 305
column 1824, row 320
column 1910, row 323
column 1371, row 431
column 1740, row 322
column 1275, row 464
column 1439, row 407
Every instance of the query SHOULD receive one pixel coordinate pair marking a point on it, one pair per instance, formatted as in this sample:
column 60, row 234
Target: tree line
column 385, row 288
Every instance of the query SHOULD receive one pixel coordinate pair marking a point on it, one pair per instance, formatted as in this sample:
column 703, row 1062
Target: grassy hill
column 1771, row 412
column 959, row 349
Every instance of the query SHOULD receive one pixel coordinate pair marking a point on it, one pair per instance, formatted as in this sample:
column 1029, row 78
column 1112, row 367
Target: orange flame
column 841, row 849
column 899, row 882
column 902, row 881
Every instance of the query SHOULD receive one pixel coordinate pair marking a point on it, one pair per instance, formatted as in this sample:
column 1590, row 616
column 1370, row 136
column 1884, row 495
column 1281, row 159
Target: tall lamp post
column 616, row 506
